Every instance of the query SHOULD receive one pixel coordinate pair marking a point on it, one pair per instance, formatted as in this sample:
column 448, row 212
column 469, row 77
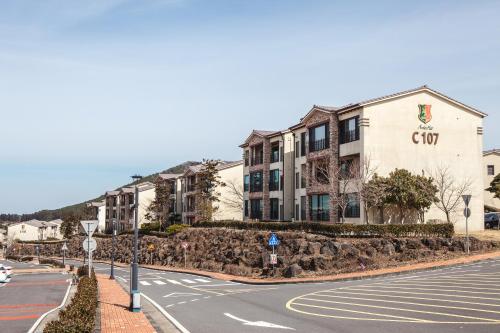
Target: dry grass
column 486, row 235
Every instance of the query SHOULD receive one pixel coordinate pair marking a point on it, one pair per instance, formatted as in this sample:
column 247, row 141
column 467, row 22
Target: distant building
column 35, row 230
column 119, row 206
column 99, row 213
column 228, row 207
column 491, row 161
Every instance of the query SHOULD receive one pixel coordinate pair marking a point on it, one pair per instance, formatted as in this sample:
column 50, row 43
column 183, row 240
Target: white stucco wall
column 233, row 175
column 145, row 199
column 26, row 233
column 387, row 142
column 491, row 159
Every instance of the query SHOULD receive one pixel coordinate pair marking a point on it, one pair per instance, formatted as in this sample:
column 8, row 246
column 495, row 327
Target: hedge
column 341, row 230
column 79, row 315
column 19, row 258
column 171, row 230
column 54, row 262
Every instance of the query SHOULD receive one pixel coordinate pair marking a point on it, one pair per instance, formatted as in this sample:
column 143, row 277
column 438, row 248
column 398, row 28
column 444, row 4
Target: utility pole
column 135, row 296
column 112, row 273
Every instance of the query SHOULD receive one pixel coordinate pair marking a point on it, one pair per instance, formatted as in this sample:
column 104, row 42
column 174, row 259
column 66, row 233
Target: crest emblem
column 424, row 114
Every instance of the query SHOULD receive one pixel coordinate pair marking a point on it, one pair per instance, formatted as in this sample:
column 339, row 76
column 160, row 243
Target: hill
column 79, row 209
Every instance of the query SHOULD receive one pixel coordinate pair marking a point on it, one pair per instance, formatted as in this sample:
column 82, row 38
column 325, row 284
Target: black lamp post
column 112, row 273
column 135, row 301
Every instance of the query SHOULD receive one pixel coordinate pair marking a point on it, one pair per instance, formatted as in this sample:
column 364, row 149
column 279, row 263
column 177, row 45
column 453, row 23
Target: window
column 491, row 170
column 114, row 213
column 319, row 138
column 297, row 180
column 345, row 168
column 352, row 209
column 303, row 176
column 319, row 207
column 297, row 144
column 281, row 154
column 281, row 182
column 246, row 157
column 256, row 181
column 257, row 154
column 274, row 180
column 349, row 130
column 256, row 209
column 246, row 183
column 321, row 172
column 274, row 205
column 297, row 208
column 246, row 208
column 303, row 208
column 275, row 152
column 303, row 144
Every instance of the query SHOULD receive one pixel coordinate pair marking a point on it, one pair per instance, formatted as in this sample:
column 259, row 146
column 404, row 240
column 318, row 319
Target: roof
column 261, row 133
column 37, row 223
column 228, row 165
column 57, row 221
column 403, row 93
column 491, row 151
column 110, row 193
column 96, row 203
column 166, row 176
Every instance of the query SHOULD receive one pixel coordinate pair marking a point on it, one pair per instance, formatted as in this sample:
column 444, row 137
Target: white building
column 35, row 230
column 491, row 167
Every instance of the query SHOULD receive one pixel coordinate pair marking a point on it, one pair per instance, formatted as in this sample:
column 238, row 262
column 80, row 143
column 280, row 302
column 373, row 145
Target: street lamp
column 135, row 300
column 112, row 273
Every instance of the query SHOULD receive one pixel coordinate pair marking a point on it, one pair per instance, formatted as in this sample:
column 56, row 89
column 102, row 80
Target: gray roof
column 39, row 224
column 167, row 176
column 491, row 151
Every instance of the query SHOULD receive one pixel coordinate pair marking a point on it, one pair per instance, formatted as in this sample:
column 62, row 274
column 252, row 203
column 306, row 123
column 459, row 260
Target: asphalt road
column 26, row 297
column 463, row 298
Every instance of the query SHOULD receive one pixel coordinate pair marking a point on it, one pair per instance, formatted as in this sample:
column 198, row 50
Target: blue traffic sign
column 273, row 240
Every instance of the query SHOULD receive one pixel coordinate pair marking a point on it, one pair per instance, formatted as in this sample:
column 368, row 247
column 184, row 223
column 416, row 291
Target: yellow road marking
column 477, row 279
column 411, row 297
column 448, row 282
column 420, row 293
column 437, row 284
column 451, row 290
column 401, row 309
column 409, row 303
column 361, row 312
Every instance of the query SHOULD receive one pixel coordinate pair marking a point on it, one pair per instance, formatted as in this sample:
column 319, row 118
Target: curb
column 355, row 275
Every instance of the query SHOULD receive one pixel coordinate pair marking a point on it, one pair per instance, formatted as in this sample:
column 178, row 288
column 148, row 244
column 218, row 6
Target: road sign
column 89, row 226
column 64, row 247
column 466, row 198
column 467, row 212
column 273, row 240
column 185, row 245
column 89, row 243
column 274, row 259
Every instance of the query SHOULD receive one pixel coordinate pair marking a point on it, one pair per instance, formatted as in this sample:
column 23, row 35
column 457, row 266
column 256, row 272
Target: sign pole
column 466, row 198
column 88, row 244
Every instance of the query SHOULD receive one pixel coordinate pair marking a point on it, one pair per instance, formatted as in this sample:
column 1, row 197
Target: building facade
column 229, row 206
column 491, row 167
column 420, row 130
column 35, row 230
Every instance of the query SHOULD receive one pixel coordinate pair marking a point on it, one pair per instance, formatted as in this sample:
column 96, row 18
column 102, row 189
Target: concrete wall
column 24, row 232
column 226, row 211
column 388, row 143
column 491, row 159
column 145, row 199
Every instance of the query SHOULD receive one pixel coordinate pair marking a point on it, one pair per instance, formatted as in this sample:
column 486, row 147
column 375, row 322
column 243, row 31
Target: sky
column 94, row 91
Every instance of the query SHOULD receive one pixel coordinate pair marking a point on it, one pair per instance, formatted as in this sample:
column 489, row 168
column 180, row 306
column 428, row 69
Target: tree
column 365, row 192
column 374, row 195
column 69, row 226
column 208, row 181
column 449, row 191
column 495, row 186
column 234, row 198
column 159, row 209
column 424, row 195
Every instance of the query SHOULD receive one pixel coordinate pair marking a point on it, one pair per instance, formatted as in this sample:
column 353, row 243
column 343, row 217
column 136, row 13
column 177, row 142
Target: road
column 27, row 296
column 461, row 298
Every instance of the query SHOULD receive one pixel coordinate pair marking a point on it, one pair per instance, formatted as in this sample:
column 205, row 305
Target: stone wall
column 245, row 252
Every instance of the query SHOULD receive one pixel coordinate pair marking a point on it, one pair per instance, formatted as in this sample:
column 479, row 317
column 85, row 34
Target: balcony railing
column 318, row 145
column 257, row 160
column 349, row 136
column 191, row 187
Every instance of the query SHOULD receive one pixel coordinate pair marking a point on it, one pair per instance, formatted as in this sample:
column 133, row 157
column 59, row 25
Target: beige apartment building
column 491, row 167
column 120, row 206
column 420, row 130
column 228, row 208
column 35, row 230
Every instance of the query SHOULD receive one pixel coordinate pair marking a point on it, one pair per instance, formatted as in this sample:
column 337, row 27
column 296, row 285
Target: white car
column 7, row 270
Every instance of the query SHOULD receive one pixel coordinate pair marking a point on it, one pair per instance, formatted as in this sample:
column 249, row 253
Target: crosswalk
column 195, row 282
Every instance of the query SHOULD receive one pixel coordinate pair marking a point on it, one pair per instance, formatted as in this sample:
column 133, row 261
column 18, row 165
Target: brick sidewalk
column 115, row 316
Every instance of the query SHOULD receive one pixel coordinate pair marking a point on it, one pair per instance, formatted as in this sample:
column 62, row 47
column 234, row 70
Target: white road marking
column 217, row 285
column 174, row 321
column 145, row 283
column 123, row 279
column 258, row 323
column 159, row 282
column 202, row 280
column 188, row 281
column 173, row 281
column 181, row 294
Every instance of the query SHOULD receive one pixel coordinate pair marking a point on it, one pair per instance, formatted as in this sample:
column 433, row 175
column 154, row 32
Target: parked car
column 491, row 220
column 6, row 269
column 3, row 277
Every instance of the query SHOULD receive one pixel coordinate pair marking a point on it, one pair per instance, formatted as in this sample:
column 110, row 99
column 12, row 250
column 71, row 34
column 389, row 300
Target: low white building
column 35, row 230
column 491, row 161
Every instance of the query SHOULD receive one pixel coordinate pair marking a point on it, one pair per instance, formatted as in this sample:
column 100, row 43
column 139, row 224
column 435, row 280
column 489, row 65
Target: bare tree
column 234, row 196
column 450, row 190
column 367, row 193
column 337, row 179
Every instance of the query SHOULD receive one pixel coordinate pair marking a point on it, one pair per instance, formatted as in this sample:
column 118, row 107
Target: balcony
column 257, row 160
column 318, row 145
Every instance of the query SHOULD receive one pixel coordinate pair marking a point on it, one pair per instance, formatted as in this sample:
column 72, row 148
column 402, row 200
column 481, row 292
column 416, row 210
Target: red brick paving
column 115, row 316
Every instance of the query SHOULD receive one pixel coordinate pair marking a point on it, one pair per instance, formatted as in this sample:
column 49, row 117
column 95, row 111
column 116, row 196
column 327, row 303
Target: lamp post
column 135, row 300
column 112, row 273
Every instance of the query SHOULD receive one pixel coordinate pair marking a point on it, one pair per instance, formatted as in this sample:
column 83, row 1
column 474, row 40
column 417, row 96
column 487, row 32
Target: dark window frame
column 321, row 144
column 490, row 170
column 274, row 182
column 346, row 135
column 256, row 182
column 274, row 208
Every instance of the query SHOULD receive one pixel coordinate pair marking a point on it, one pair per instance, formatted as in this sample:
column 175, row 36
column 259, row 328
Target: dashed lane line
column 202, row 280
column 188, row 281
column 174, row 281
column 145, row 283
column 159, row 282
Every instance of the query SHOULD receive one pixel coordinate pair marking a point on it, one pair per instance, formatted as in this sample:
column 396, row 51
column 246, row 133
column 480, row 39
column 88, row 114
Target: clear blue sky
column 94, row 91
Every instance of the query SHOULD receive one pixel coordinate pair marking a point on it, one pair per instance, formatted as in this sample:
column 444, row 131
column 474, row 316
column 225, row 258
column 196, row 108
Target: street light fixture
column 135, row 300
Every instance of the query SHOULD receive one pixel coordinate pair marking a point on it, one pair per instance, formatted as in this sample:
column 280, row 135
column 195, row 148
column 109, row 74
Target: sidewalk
column 115, row 316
